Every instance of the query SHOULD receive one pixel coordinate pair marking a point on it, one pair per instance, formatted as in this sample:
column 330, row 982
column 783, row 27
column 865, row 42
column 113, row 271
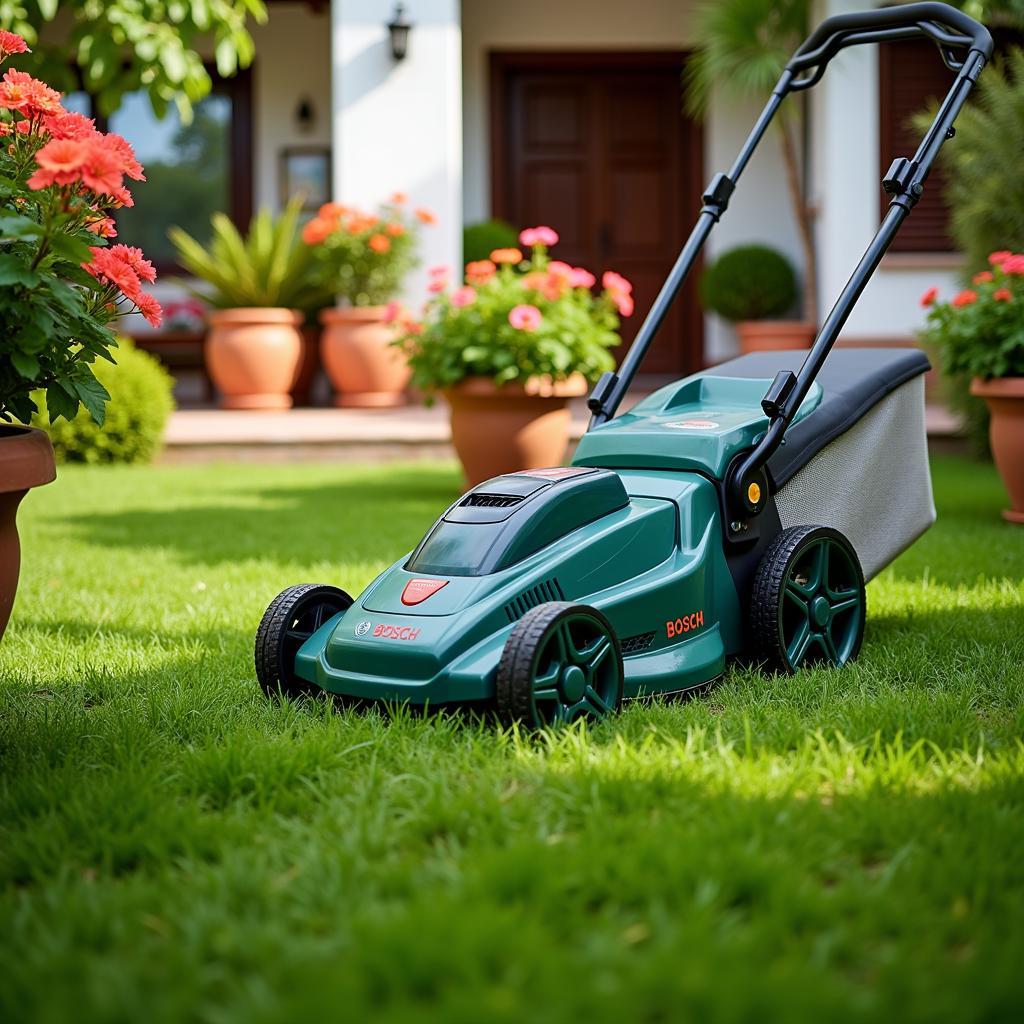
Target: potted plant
column 743, row 47
column 751, row 286
column 260, row 288
column 979, row 333
column 508, row 347
column 62, row 282
column 363, row 259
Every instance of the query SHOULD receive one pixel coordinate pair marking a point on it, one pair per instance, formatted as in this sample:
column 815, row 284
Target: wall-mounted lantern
column 398, row 28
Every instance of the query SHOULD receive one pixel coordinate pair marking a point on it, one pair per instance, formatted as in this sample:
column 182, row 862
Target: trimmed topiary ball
column 480, row 240
column 751, row 282
column 140, row 402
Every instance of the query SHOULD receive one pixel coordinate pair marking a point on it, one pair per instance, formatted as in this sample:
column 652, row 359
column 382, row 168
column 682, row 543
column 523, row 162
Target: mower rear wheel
column 807, row 603
column 561, row 662
column 289, row 621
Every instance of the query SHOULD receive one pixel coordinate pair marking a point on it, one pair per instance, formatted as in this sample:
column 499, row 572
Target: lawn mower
column 736, row 513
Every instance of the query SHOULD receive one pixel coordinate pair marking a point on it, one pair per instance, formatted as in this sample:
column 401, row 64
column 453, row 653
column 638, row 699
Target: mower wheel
column 290, row 620
column 562, row 661
column 807, row 603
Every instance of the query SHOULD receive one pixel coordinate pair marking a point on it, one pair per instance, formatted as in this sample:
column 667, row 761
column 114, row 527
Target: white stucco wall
column 760, row 209
column 398, row 125
column 847, row 174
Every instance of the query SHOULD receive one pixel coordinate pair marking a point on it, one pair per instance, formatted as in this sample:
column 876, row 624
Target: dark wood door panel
column 596, row 145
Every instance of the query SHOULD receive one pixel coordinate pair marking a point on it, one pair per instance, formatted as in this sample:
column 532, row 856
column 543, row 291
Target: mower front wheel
column 289, row 621
column 561, row 662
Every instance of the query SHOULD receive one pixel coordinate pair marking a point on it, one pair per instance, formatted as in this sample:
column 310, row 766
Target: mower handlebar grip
column 879, row 23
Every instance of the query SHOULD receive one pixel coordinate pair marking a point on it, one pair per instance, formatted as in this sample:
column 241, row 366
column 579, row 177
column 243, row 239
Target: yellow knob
column 754, row 493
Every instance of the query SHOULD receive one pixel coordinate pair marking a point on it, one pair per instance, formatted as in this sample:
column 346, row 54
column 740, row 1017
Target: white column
column 397, row 125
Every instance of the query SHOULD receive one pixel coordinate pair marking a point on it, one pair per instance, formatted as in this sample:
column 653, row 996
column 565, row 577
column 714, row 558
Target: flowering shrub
column 363, row 257
column 60, row 179
column 979, row 332
column 515, row 317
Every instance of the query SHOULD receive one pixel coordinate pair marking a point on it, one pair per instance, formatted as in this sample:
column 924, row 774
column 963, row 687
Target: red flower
column 103, row 226
column 965, row 298
column 132, row 256
column 108, row 268
column 11, row 43
column 1002, row 295
column 150, row 309
column 997, row 258
column 929, row 297
column 982, row 277
column 1013, row 264
column 21, row 92
column 122, row 197
column 61, row 162
column 121, row 151
column 69, row 125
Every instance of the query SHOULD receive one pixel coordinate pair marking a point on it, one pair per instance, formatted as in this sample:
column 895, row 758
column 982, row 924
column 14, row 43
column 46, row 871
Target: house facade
column 568, row 113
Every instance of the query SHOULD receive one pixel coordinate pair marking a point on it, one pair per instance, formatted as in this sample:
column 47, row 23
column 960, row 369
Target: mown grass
column 835, row 846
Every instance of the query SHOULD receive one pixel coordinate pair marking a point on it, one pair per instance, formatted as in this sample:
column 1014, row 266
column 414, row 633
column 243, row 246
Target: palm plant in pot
column 261, row 289
column 508, row 347
column 979, row 334
column 363, row 259
column 751, row 286
column 62, row 283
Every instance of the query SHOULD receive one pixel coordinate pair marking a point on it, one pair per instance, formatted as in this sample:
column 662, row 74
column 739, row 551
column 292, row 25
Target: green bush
column 751, row 282
column 140, row 402
column 480, row 240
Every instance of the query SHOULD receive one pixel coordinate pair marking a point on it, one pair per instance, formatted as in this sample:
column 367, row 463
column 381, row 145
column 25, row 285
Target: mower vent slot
column 638, row 643
column 476, row 500
column 548, row 590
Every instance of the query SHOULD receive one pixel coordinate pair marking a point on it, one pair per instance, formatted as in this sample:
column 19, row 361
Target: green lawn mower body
column 737, row 512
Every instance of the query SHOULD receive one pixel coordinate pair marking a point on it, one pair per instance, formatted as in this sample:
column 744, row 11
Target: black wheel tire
column 289, row 621
column 574, row 650
column 807, row 603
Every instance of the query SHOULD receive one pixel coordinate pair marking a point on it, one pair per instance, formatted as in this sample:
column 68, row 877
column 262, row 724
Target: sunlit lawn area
column 842, row 845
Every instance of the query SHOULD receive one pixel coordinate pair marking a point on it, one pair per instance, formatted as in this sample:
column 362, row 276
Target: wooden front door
column 597, row 147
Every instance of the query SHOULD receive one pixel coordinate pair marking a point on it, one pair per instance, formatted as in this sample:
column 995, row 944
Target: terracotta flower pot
column 774, row 335
column 1004, row 397
column 365, row 369
column 498, row 430
column 252, row 356
column 26, row 460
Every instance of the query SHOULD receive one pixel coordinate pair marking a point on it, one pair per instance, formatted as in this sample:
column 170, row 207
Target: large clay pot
column 504, row 429
column 1004, row 397
column 252, row 355
column 26, row 460
column 365, row 369
column 774, row 335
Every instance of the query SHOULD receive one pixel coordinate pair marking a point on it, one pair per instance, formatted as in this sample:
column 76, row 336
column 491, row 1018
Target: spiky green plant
column 269, row 267
column 743, row 48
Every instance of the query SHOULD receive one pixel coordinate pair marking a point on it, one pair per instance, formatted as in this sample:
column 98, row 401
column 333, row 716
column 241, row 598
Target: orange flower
column 103, row 226
column 1002, row 295
column 965, row 298
column 398, row 198
column 380, row 243
column 507, row 256
column 150, row 309
column 425, row 216
column 930, row 296
column 316, row 230
column 69, row 125
column 394, row 229
column 982, row 277
column 11, row 43
column 331, row 211
column 480, row 271
column 131, row 256
column 60, row 163
column 21, row 92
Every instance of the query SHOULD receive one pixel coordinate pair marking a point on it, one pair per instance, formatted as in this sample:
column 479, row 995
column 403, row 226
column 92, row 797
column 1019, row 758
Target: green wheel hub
column 822, row 609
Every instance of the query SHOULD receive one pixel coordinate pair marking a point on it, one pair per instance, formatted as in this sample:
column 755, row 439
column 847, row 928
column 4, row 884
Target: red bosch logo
column 388, row 631
column 687, row 624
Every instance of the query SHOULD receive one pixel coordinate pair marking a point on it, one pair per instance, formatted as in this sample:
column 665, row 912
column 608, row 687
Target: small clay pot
column 252, row 355
column 365, row 369
column 1004, row 397
column 774, row 335
column 26, row 461
column 513, row 427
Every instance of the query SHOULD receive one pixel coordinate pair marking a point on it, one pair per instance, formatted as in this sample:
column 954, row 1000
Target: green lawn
column 841, row 845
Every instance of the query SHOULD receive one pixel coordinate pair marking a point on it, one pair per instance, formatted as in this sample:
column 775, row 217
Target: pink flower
column 464, row 296
column 996, row 258
column 623, row 303
column 1001, row 295
column 538, row 236
column 524, row 318
column 929, row 297
column 1013, row 264
column 392, row 311
column 441, row 270
column 582, row 278
column 10, row 43
column 437, row 285
column 965, row 298
column 613, row 282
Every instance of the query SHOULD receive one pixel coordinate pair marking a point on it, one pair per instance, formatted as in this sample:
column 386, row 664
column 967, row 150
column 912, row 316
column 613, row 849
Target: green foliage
column 980, row 331
column 985, row 189
column 140, row 402
column 743, row 48
column 363, row 258
column 269, row 267
column 470, row 332
column 750, row 282
column 119, row 46
column 480, row 240
column 836, row 846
